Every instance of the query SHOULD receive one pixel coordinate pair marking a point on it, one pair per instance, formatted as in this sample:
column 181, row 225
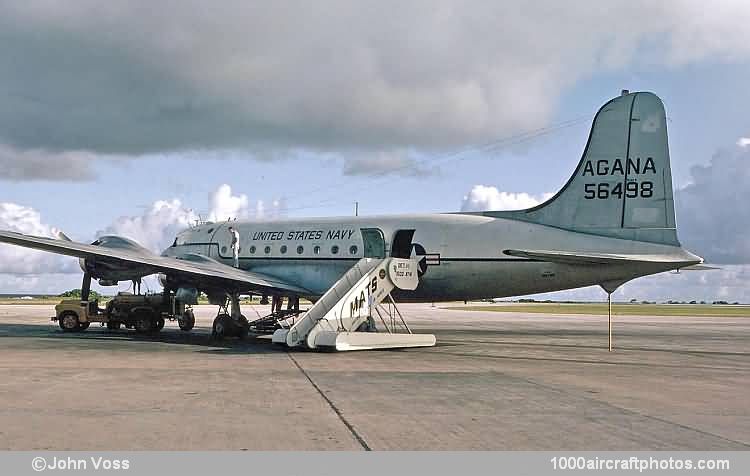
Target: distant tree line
column 76, row 293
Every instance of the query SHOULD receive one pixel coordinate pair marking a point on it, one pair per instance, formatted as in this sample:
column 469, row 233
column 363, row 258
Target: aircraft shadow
column 198, row 337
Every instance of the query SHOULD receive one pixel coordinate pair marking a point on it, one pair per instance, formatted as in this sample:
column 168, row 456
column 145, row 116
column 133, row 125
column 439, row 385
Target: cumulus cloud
column 24, row 262
column 743, row 141
column 156, row 227
column 225, row 206
column 711, row 217
column 134, row 77
column 483, row 198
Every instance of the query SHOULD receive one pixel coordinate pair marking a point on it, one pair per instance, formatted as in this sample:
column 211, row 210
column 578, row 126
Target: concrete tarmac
column 495, row 381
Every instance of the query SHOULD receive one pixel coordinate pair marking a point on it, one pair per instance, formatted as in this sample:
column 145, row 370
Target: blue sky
column 313, row 133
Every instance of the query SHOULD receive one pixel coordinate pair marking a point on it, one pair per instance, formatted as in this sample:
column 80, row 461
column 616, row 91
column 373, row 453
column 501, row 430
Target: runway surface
column 496, row 381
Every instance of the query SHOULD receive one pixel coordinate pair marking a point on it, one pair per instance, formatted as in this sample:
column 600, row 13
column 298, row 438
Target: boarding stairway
column 342, row 319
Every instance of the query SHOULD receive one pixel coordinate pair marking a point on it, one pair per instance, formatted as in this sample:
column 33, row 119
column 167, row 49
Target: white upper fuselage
column 465, row 252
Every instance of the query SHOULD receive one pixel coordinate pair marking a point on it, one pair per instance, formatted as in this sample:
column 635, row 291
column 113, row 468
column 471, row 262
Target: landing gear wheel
column 158, row 324
column 222, row 326
column 69, row 322
column 187, row 322
column 113, row 326
column 242, row 327
column 83, row 326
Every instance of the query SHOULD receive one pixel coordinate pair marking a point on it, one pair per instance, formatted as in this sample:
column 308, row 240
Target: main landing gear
column 230, row 322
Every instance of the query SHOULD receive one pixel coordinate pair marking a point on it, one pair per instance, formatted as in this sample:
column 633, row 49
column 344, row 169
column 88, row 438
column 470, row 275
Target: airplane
column 612, row 221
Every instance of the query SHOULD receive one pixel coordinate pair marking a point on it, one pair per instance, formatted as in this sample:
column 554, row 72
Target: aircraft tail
column 622, row 187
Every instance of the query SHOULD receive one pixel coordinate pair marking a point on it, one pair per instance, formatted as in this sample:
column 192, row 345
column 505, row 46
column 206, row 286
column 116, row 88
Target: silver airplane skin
column 613, row 221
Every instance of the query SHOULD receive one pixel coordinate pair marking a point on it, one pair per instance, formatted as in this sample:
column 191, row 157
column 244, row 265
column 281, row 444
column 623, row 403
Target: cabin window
column 267, row 249
column 316, row 249
column 353, row 250
column 283, row 249
column 223, row 250
column 300, row 249
column 252, row 249
column 335, row 249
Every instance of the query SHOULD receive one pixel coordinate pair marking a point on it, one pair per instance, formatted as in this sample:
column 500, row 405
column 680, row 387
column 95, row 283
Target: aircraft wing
column 193, row 265
column 594, row 258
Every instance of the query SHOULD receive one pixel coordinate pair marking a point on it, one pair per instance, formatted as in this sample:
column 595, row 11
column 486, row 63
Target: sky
column 138, row 118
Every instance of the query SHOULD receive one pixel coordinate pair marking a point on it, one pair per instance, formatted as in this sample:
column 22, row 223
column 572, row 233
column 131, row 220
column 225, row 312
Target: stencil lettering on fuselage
column 303, row 235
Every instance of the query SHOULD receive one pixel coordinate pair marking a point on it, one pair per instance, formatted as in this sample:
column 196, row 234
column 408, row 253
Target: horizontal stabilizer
column 595, row 258
column 699, row 267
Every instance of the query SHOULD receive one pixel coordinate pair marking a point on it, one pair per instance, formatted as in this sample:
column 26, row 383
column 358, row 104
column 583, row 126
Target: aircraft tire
column 222, row 327
column 83, row 326
column 69, row 322
column 113, row 326
column 158, row 324
column 242, row 332
column 187, row 322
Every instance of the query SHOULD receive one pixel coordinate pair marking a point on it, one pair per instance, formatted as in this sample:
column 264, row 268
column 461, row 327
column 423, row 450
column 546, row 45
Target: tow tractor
column 145, row 313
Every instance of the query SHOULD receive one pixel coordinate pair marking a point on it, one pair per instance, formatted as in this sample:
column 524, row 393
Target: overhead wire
column 461, row 154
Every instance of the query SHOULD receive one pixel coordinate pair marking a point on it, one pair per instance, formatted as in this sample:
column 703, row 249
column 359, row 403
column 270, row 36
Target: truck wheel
column 83, row 326
column 68, row 321
column 113, row 326
column 143, row 322
column 187, row 322
column 158, row 324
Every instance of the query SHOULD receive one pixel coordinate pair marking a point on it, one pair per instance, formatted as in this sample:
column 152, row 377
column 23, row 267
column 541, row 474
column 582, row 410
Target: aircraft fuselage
column 464, row 252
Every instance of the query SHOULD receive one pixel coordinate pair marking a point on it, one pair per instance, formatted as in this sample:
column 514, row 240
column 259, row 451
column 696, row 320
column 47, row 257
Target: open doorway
column 401, row 246
column 374, row 243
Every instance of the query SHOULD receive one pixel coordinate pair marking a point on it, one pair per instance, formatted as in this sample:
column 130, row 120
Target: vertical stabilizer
column 622, row 187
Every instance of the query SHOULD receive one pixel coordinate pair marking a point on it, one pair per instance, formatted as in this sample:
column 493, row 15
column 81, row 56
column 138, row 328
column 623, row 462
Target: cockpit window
column 210, row 230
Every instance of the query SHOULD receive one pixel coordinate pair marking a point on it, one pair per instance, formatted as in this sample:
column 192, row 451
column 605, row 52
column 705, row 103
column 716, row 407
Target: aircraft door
column 401, row 245
column 373, row 243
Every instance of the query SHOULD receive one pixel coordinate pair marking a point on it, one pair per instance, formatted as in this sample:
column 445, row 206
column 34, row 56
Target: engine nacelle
column 187, row 295
column 112, row 271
